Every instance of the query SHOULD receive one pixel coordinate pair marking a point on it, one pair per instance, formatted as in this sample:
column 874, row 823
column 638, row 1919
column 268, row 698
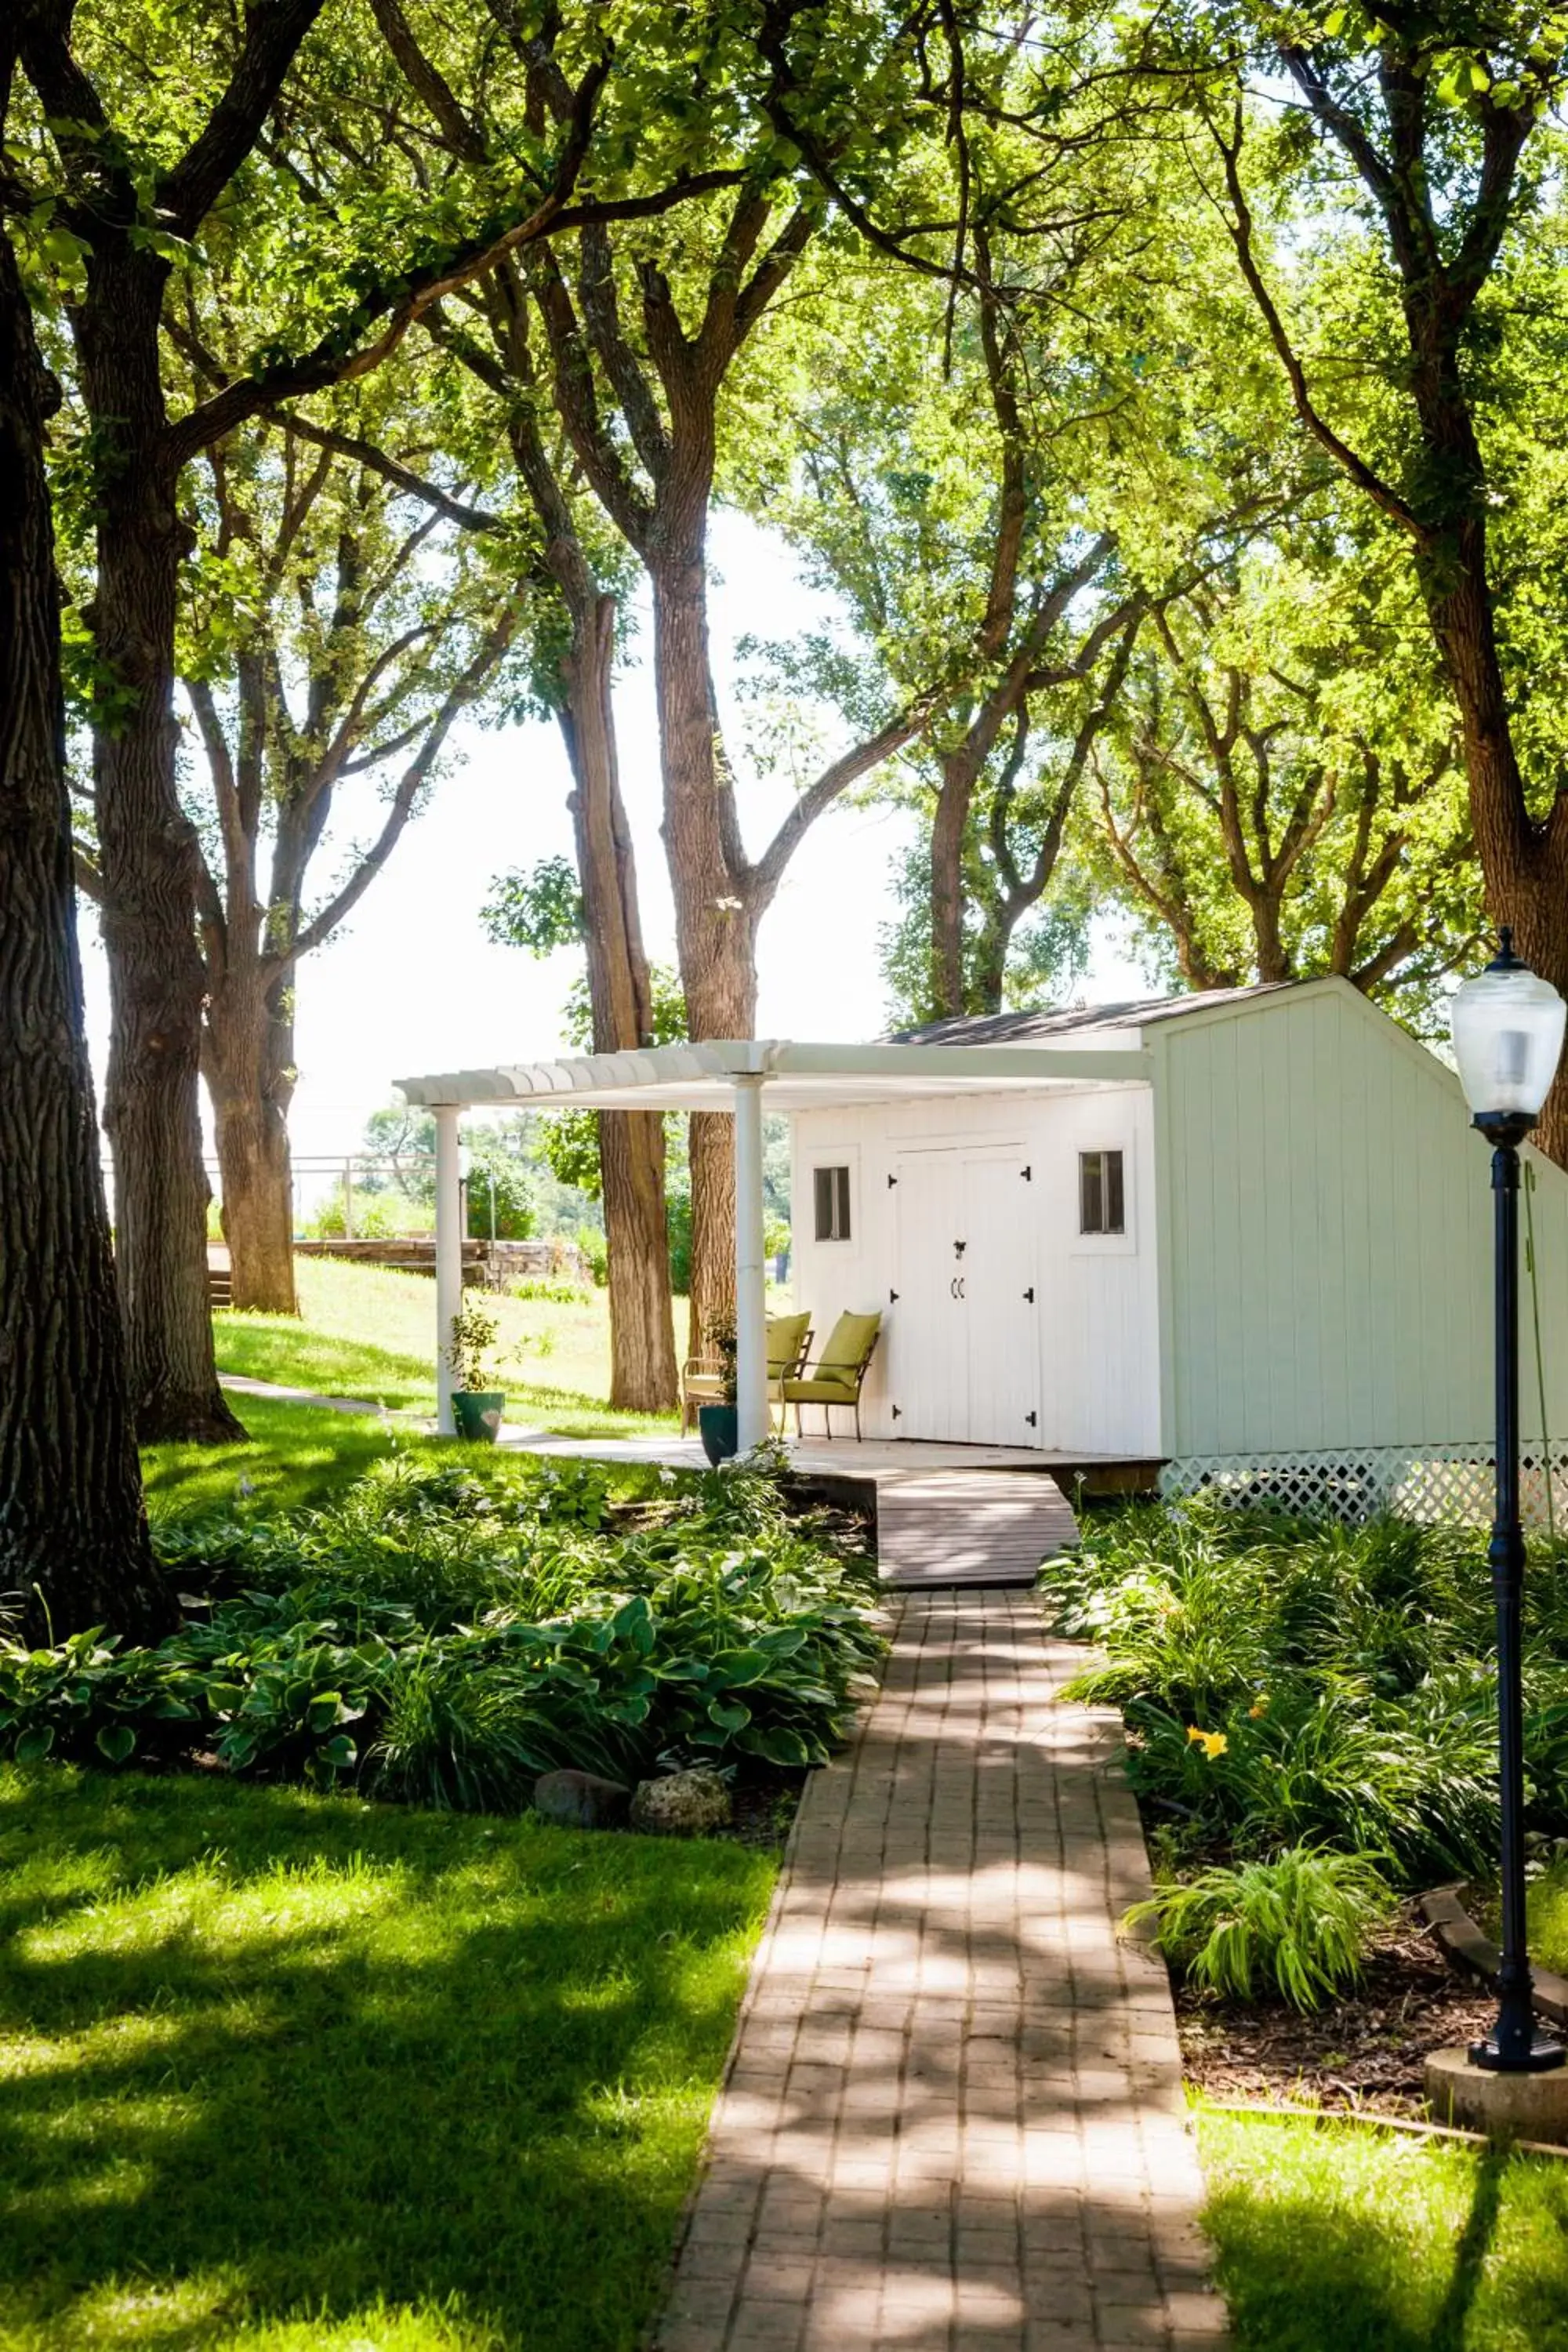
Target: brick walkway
column 952, row 2120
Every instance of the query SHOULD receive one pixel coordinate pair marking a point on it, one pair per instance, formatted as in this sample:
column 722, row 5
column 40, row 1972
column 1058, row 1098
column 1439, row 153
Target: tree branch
column 761, row 881
column 402, row 477
column 409, row 786
column 1240, row 230
column 273, row 36
column 399, row 299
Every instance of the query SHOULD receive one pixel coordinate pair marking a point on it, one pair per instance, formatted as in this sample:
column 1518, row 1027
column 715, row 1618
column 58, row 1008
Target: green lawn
column 296, row 1455
column 289, row 2073
column 1548, row 1901
column 366, row 1331
column 1374, row 2241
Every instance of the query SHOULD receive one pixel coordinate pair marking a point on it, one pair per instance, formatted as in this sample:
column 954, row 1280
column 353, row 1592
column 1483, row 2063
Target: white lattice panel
column 1451, row 1482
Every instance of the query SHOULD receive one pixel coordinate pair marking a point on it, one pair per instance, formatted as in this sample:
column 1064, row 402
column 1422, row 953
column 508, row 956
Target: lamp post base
column 1504, row 2107
column 1541, row 2054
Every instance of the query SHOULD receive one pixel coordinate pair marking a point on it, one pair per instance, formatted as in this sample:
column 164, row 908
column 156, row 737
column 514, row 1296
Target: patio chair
column 839, row 1374
column 702, row 1379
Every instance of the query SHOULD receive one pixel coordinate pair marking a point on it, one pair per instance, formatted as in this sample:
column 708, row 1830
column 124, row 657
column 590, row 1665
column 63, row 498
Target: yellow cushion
column 786, row 1337
column 849, row 1343
column 816, row 1391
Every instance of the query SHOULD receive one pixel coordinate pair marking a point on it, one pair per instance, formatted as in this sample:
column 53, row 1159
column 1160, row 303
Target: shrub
column 1298, row 1926
column 596, row 1252
column 454, row 1735
column 1327, row 1763
column 1287, row 1681
column 377, row 1217
column 444, row 1634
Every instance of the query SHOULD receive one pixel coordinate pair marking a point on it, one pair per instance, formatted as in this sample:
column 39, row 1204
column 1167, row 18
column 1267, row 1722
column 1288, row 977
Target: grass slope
column 285, row 2074
column 1372, row 2241
column 366, row 1331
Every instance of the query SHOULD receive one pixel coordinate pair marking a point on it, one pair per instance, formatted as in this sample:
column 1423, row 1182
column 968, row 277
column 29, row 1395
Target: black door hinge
column 1027, row 1174
column 891, row 1181
column 959, row 1248
column 897, row 1414
column 892, row 1298
column 1029, row 1294
column 1033, row 1419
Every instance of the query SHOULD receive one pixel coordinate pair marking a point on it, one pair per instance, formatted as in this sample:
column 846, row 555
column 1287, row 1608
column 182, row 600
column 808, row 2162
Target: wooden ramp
column 969, row 1527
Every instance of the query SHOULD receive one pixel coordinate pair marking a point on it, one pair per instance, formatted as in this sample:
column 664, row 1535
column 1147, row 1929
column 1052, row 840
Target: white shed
column 1244, row 1235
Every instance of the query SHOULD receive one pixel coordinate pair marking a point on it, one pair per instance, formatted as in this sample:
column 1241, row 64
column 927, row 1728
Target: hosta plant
column 443, row 1636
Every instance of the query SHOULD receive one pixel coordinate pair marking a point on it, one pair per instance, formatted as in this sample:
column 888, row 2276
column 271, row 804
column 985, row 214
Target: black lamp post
column 1507, row 1034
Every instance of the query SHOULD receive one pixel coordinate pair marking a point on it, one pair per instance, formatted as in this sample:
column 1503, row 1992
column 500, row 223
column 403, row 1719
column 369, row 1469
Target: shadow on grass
column 1377, row 2243
column 279, row 2056
column 294, row 1455
column 297, row 1456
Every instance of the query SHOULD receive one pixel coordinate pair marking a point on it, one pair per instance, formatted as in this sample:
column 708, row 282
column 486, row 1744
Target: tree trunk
column 714, row 926
column 73, row 1535
column 1524, row 866
column 1265, row 906
column 949, row 828
column 248, row 1059
column 631, row 1143
column 990, row 960
column 149, row 862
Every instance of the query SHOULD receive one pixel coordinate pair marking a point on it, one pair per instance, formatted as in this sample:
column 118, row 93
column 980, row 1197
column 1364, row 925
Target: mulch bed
column 763, row 1806
column 1365, row 2051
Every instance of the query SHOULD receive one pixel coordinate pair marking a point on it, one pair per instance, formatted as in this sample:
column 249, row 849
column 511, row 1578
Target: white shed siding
column 1097, row 1370
column 1325, row 1224
column 1100, row 1299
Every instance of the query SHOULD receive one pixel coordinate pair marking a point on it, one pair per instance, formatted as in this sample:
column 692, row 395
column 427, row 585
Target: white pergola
column 731, row 1075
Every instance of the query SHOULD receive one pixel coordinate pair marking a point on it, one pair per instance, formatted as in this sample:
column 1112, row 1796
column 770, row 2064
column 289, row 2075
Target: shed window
column 1101, row 1193
column 831, row 1189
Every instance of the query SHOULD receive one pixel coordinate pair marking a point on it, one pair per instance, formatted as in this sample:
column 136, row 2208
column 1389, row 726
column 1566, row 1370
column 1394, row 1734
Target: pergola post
column 449, row 1255
column 750, row 1274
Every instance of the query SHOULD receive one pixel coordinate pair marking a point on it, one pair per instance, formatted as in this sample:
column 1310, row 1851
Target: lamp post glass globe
column 1508, row 1037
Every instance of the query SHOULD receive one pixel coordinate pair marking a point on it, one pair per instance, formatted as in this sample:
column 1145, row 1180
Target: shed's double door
column 965, row 1355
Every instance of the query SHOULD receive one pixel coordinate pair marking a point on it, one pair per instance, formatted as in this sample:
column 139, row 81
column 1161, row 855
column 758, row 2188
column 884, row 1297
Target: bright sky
column 411, row 985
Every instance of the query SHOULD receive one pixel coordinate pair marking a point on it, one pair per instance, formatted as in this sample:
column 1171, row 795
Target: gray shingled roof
column 1021, row 1028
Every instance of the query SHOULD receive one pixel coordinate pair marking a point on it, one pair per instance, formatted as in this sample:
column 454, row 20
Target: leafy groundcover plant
column 1298, row 1690
column 1297, row 1925
column 442, row 1634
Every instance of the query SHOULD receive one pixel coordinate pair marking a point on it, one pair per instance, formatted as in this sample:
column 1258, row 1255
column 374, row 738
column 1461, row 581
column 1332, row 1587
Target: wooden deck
column 945, row 1515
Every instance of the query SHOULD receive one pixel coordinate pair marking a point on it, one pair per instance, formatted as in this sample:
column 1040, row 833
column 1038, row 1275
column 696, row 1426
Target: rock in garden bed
column 582, row 1801
column 681, row 1804
column 1367, row 2051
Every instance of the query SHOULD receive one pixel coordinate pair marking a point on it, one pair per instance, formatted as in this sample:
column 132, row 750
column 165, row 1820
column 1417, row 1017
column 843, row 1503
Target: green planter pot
column 720, row 1425
column 477, row 1413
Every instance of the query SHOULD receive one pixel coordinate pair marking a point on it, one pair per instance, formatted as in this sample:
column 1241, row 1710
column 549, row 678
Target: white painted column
column 750, row 1274
column 449, row 1255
